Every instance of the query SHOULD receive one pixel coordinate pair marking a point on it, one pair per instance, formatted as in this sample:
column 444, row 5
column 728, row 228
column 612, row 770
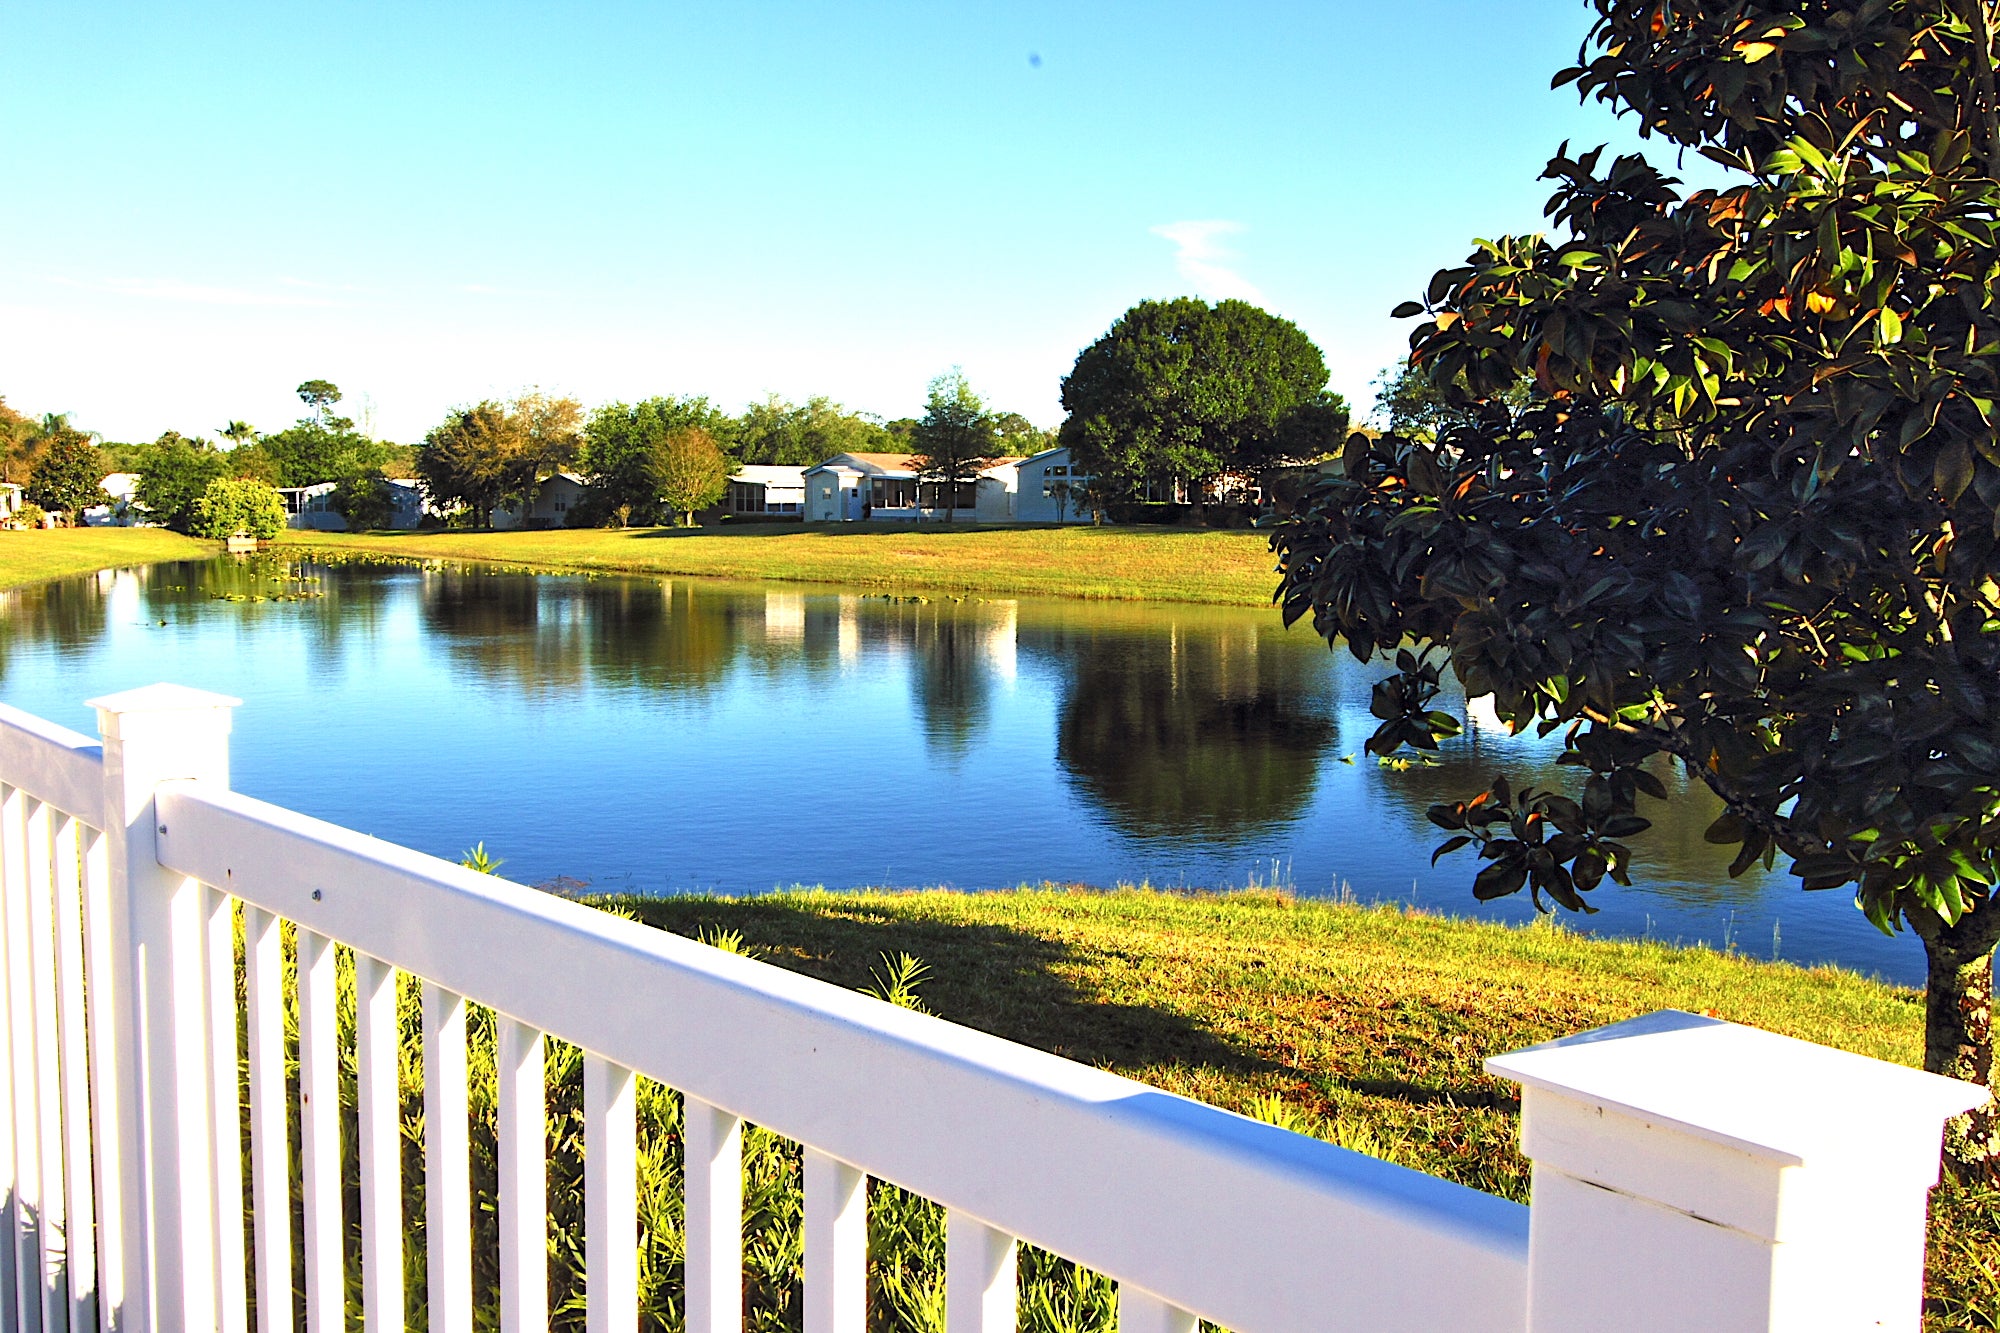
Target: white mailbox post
column 1696, row 1174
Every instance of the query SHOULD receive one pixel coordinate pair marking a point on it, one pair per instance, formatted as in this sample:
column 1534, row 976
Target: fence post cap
column 1789, row 1101
column 164, row 697
column 172, row 707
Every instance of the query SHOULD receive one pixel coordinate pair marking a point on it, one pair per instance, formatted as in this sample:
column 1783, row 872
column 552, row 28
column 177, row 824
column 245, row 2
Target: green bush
column 233, row 505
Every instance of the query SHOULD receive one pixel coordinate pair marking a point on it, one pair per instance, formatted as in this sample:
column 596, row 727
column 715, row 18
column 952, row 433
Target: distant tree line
column 1178, row 398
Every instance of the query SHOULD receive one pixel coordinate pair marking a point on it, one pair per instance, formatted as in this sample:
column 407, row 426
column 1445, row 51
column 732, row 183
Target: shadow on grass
column 992, row 978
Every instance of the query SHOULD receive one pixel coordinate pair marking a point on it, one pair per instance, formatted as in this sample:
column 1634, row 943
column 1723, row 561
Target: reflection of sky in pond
column 669, row 735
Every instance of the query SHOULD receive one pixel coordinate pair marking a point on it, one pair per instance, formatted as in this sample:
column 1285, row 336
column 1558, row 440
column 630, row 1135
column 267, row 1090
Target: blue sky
column 433, row 204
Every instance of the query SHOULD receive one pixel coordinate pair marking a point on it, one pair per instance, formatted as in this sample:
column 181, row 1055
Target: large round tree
column 1184, row 391
column 1748, row 517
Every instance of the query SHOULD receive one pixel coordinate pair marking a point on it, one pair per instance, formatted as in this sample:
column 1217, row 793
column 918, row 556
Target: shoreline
column 45, row 554
column 1211, row 567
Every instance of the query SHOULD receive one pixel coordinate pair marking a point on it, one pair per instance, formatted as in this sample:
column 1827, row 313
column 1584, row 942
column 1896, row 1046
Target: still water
column 665, row 736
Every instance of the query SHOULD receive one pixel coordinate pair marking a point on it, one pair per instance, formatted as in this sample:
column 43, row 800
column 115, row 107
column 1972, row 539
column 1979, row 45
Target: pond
column 669, row 735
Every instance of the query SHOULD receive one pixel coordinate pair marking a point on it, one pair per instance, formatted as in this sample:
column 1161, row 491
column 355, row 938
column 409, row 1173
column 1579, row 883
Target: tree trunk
column 1958, row 1026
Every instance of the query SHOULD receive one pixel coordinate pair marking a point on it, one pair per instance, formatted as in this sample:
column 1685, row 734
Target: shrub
column 364, row 501
column 233, row 505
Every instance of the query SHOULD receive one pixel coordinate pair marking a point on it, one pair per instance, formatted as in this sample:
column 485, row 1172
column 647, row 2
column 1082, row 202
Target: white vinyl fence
column 1689, row 1174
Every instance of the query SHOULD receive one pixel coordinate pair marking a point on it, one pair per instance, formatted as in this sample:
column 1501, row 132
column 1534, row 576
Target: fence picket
column 611, row 1198
column 519, row 1054
column 270, row 1148
column 69, row 843
column 836, row 1295
column 319, row 1132
column 1143, row 1312
column 227, row 1103
column 714, row 1212
column 112, row 1182
column 979, row 1287
column 378, row 1088
column 25, row 1196
column 39, row 912
column 447, row 1166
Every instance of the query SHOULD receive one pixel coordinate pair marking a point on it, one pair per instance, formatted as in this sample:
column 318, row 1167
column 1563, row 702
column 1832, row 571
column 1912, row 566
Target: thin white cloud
column 1201, row 258
column 191, row 293
column 310, row 285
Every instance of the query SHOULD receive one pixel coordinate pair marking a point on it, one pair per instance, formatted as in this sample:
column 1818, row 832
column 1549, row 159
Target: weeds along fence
column 262, row 1071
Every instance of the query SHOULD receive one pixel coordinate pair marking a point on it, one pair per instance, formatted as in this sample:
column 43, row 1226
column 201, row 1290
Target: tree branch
column 1780, row 829
column 1987, row 113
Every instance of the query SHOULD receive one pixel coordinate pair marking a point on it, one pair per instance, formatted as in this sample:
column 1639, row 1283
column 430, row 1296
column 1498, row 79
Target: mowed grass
column 52, row 553
column 1364, row 1025
column 1231, row 568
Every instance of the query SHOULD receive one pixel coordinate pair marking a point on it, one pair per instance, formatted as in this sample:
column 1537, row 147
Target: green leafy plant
column 237, row 504
column 897, row 981
column 477, row 858
column 1714, row 480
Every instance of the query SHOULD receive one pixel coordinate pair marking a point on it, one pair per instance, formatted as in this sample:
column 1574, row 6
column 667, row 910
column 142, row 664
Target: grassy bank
column 31, row 557
column 1367, row 1026
column 1138, row 564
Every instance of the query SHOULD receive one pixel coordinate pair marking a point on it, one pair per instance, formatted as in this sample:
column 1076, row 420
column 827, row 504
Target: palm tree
column 238, row 433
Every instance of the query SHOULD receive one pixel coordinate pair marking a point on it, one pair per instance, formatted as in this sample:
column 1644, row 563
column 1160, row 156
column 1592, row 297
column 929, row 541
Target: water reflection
column 1197, row 733
column 662, row 734
column 67, row 616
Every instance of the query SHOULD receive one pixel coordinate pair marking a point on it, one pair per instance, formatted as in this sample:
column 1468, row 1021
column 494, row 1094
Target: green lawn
column 1365, row 1025
column 31, row 557
column 1149, row 564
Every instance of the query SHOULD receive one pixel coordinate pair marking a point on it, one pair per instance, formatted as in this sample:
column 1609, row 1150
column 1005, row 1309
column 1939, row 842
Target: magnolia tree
column 1746, row 515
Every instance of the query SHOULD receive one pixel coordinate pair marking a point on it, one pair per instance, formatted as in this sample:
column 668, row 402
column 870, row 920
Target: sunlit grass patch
column 51, row 553
column 1366, row 1026
column 1129, row 564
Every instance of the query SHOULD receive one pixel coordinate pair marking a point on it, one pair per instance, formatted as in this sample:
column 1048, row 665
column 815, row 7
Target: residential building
column 850, row 487
column 555, row 496
column 765, row 490
column 1048, row 487
column 311, row 508
column 124, row 510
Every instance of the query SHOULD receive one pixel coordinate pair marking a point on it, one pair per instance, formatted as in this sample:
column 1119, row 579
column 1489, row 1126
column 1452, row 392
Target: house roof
column 895, row 465
column 1034, row 458
column 769, row 474
column 875, row 464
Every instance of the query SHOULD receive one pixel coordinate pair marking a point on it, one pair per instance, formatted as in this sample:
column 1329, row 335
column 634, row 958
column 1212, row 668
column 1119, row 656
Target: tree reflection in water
column 68, row 614
column 1211, row 733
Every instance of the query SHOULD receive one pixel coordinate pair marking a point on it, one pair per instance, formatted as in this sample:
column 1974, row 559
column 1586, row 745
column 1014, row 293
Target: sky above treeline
column 434, row 204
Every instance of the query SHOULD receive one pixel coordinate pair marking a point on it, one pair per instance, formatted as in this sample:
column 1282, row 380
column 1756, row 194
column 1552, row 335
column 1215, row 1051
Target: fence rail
column 128, row 867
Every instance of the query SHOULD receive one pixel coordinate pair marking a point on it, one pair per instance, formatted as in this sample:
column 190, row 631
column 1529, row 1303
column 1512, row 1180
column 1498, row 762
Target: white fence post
column 1696, row 1174
column 153, row 735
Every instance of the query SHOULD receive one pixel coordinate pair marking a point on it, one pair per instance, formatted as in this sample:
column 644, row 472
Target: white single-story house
column 849, row 487
column 766, row 490
column 555, row 495
column 1047, row 486
column 124, row 511
column 407, row 503
column 311, row 507
column 12, row 497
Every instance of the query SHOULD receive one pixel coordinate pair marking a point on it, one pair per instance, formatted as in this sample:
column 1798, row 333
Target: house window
column 892, row 492
column 1059, row 478
column 966, row 497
